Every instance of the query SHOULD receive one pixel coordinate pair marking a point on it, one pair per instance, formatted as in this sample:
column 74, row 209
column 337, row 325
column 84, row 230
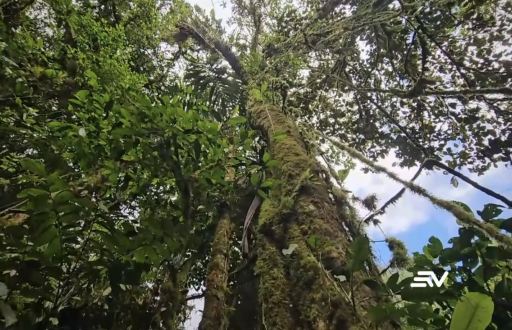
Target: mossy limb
column 214, row 313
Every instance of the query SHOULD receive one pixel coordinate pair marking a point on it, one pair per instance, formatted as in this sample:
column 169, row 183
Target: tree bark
column 214, row 313
column 298, row 291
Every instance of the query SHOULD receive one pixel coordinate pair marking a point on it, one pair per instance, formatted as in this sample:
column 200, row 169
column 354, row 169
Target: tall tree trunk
column 214, row 313
column 298, row 291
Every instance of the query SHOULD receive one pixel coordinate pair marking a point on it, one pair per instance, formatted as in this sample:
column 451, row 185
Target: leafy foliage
column 102, row 183
column 476, row 295
column 114, row 164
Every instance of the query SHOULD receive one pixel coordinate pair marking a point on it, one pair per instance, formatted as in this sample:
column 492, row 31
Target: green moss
column 274, row 288
column 301, row 208
column 268, row 212
column 214, row 313
column 320, row 299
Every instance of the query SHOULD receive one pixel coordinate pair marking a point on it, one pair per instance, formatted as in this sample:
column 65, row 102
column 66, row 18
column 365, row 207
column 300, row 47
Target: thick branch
column 207, row 41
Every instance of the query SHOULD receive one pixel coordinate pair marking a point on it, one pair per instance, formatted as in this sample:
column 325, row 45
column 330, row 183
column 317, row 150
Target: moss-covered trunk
column 299, row 291
column 214, row 312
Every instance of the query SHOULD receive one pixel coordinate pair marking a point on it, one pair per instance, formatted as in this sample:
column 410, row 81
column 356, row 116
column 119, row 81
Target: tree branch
column 464, row 92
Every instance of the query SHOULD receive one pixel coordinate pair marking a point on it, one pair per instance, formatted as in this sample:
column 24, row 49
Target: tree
column 320, row 39
column 123, row 180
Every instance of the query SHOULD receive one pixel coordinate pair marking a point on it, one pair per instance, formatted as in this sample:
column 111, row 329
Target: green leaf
column 50, row 73
column 490, row 211
column 235, row 121
column 46, row 236
column 392, row 282
column 272, row 163
column 420, row 311
column 37, row 192
column 8, row 314
column 255, row 178
column 63, row 196
column 139, row 255
column 385, row 312
column 58, row 185
column 506, row 225
column 8, row 60
column 33, row 166
column 427, row 254
column 82, row 95
column 342, row 174
column 478, row 275
column 3, row 290
column 56, row 124
column 267, row 183
column 426, row 294
column 78, row 102
column 266, row 157
column 435, row 247
column 53, row 247
column 373, row 284
column 107, row 291
column 360, row 253
column 262, row 194
column 472, row 312
column 405, row 283
column 212, row 128
column 464, row 206
column 502, row 288
column 313, row 241
column 449, row 256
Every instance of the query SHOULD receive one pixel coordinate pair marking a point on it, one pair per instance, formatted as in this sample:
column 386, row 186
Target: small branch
column 205, row 40
column 385, row 270
column 195, row 296
column 450, row 92
column 400, row 127
column 471, row 182
column 7, row 209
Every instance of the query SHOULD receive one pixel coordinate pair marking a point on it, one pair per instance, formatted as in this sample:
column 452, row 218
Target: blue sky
column 413, row 219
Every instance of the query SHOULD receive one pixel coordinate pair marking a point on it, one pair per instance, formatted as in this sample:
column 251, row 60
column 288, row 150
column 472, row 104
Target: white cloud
column 409, row 210
column 412, row 210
